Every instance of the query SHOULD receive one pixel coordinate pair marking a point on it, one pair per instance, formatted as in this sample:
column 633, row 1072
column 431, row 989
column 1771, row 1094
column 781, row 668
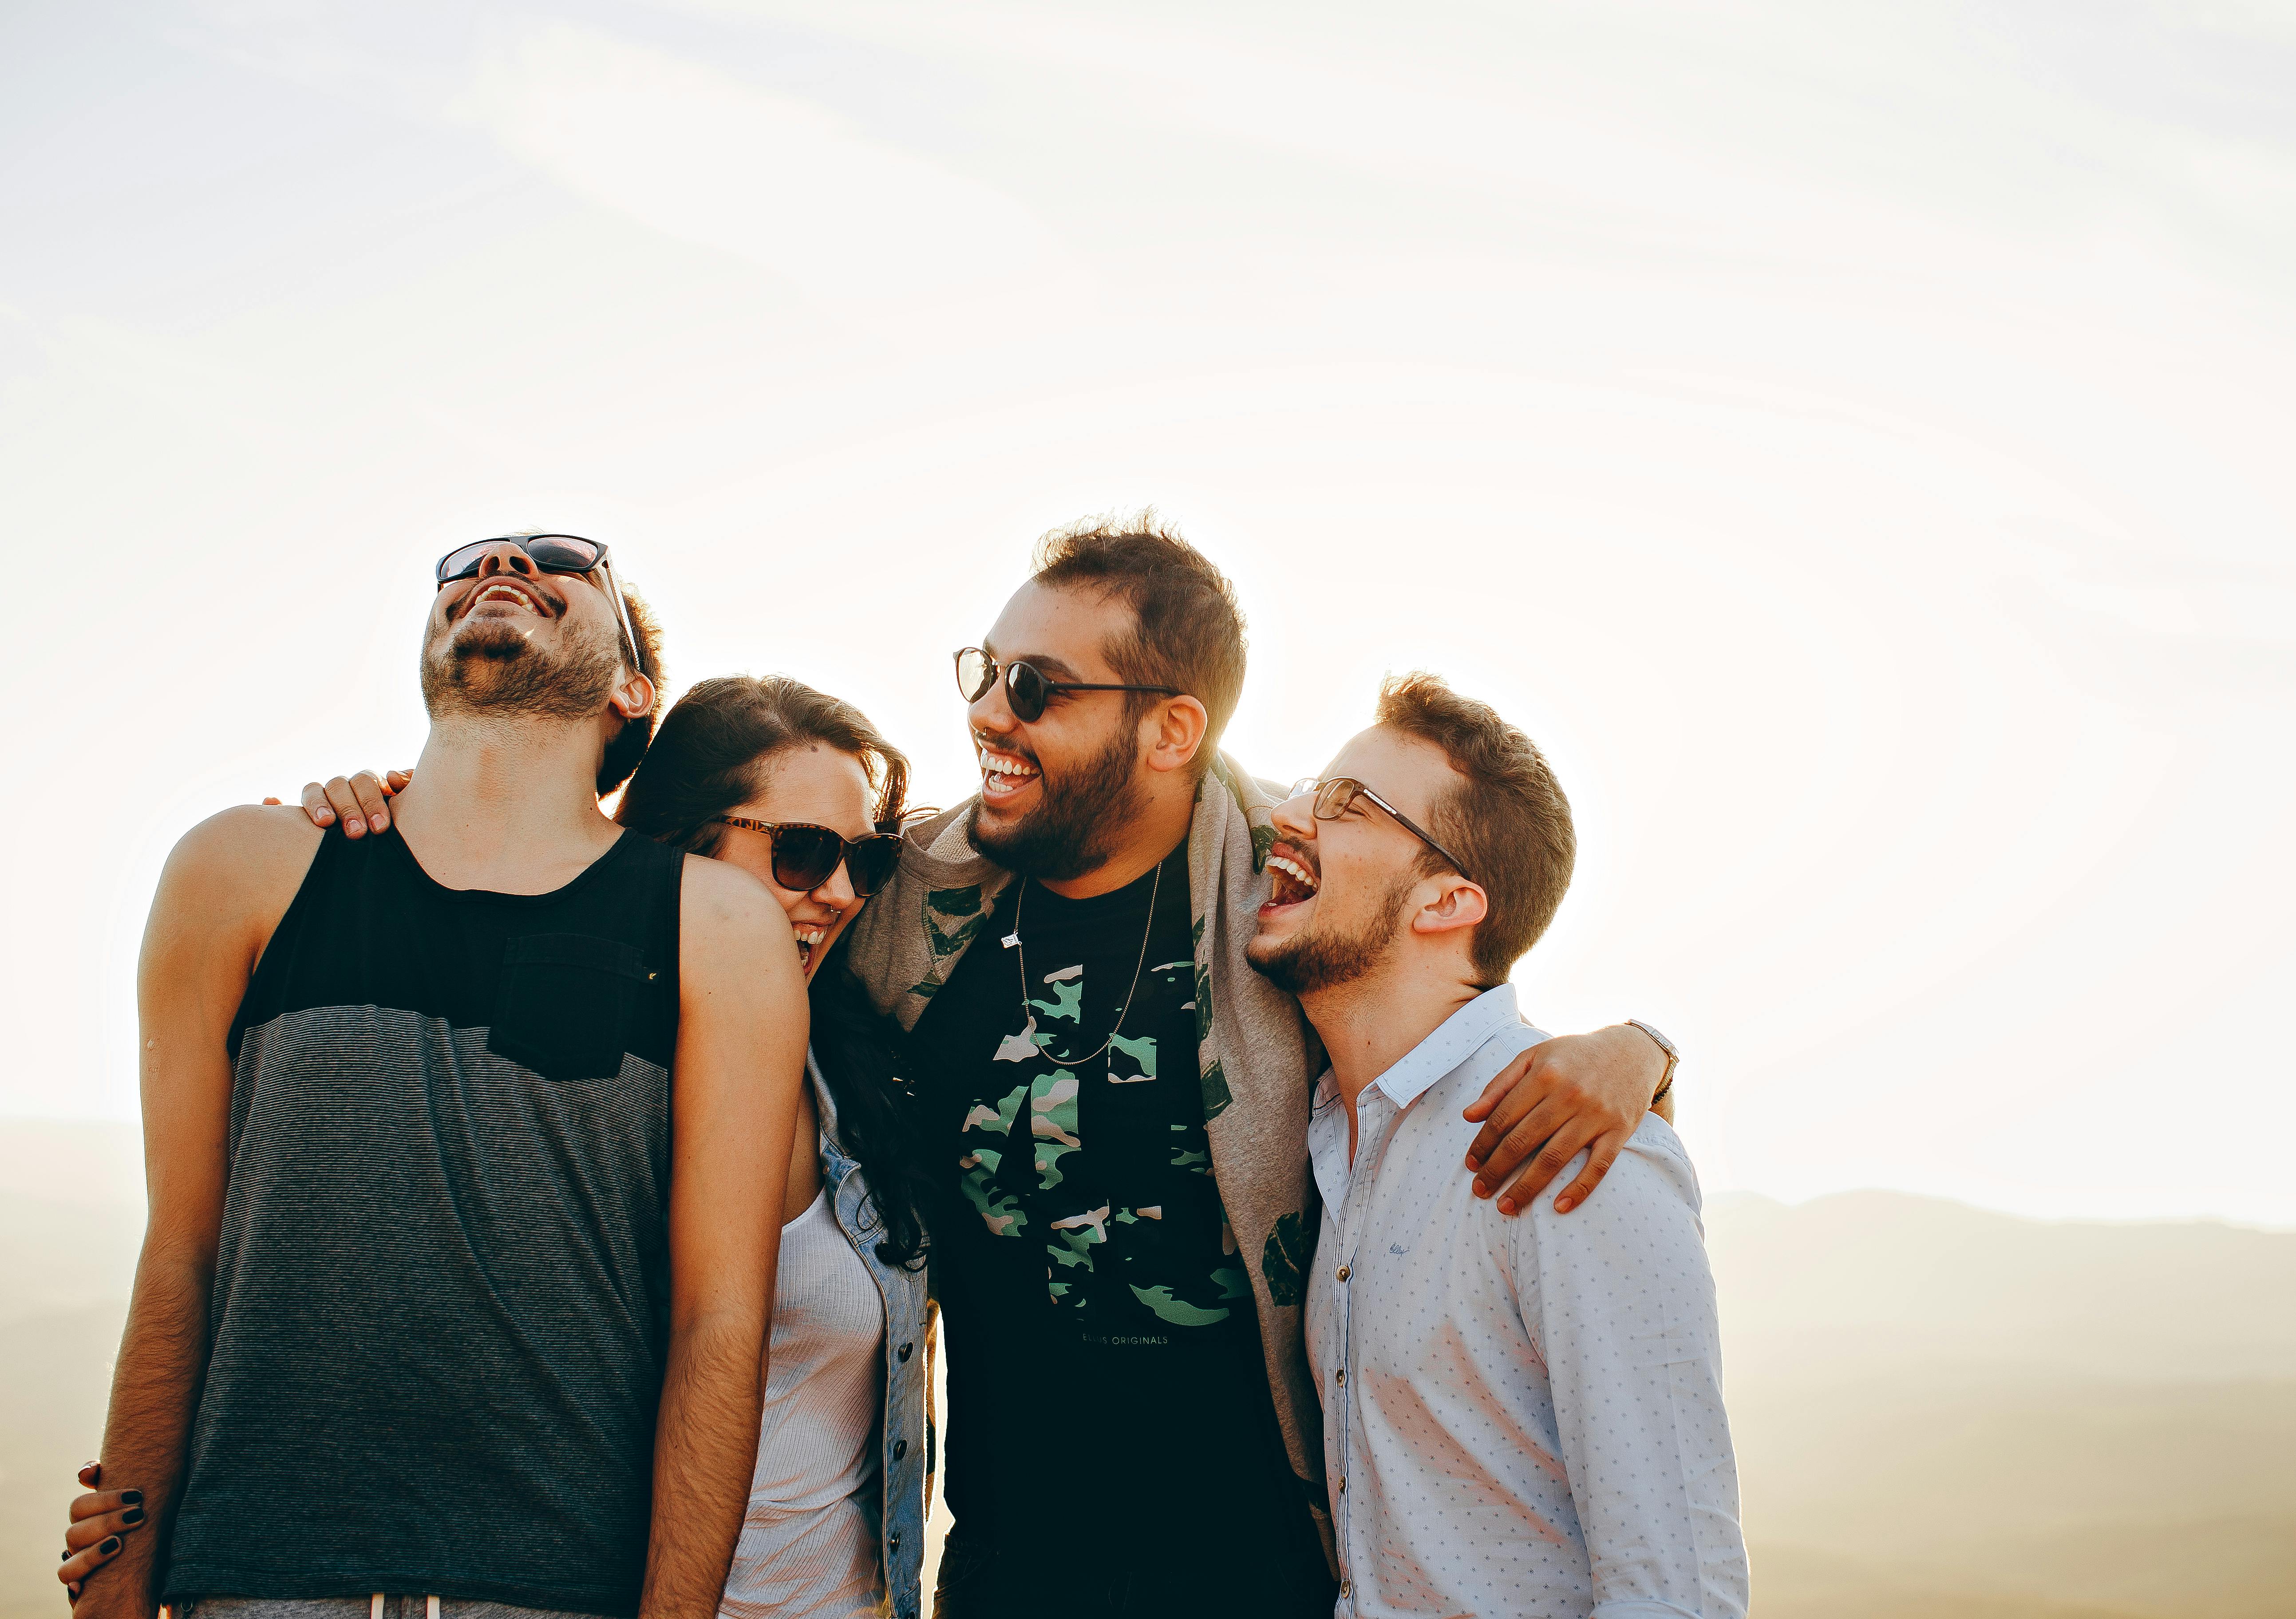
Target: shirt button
column 894, row 1540
column 904, row 1350
column 1343, row 1376
column 1343, row 1272
column 1346, row 1589
column 1343, row 1484
column 900, row 1449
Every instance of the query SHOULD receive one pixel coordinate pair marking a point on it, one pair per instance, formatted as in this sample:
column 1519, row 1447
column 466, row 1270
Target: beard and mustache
column 1320, row 958
column 1077, row 822
column 487, row 667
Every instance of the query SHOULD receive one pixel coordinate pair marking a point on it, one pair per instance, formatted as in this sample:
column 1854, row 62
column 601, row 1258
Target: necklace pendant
column 1012, row 938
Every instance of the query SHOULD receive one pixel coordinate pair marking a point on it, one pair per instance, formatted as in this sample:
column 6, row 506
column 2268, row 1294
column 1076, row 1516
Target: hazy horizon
column 1940, row 1413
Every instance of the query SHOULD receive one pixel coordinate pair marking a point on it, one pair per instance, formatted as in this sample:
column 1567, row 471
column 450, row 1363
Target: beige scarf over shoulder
column 1255, row 1053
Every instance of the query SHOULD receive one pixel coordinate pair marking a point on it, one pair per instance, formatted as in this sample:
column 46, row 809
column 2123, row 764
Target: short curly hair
column 1187, row 629
column 1507, row 820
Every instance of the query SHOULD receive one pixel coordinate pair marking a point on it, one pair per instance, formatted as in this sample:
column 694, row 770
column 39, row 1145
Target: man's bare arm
column 222, row 892
column 740, row 1060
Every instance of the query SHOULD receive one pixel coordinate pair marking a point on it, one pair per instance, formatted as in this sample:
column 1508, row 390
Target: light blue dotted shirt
column 1522, row 1416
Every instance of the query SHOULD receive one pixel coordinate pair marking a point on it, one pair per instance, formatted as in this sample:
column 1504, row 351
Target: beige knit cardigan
column 1256, row 1056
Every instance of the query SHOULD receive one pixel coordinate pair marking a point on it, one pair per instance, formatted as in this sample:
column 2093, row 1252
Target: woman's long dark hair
column 710, row 756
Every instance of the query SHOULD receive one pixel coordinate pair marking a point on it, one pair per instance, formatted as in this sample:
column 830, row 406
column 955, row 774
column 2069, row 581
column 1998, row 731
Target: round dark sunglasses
column 1334, row 797
column 1027, row 688
column 805, row 856
column 553, row 554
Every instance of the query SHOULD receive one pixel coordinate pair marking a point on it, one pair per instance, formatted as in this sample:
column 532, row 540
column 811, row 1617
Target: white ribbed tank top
column 808, row 1547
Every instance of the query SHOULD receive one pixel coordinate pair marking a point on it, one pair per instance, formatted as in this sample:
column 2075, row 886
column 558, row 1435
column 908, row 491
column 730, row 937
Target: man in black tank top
column 434, row 1301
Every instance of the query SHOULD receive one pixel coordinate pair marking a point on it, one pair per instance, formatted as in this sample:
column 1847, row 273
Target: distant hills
column 1941, row 1414
column 1865, row 1278
column 1945, row 1411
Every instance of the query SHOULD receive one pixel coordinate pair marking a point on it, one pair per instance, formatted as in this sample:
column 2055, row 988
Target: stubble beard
column 1321, row 959
column 485, row 668
column 1078, row 824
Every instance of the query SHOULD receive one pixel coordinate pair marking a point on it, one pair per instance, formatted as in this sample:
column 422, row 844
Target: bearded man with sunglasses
column 434, row 1313
column 1116, row 1109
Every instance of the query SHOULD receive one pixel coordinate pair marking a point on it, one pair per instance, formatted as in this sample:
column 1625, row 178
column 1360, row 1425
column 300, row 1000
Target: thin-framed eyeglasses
column 806, row 855
column 1334, row 795
column 553, row 554
column 1027, row 688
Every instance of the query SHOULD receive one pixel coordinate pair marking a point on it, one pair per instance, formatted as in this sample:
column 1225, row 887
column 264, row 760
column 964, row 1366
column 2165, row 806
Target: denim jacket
column 902, row 1429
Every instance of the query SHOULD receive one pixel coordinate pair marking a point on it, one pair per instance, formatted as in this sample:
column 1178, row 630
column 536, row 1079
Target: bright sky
column 1850, row 437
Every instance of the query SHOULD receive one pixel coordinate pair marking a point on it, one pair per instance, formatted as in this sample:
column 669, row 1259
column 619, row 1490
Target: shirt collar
column 1455, row 1039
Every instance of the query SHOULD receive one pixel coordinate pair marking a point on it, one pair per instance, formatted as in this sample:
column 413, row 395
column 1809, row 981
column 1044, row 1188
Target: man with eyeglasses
column 1521, row 1417
column 1116, row 1110
column 434, row 1313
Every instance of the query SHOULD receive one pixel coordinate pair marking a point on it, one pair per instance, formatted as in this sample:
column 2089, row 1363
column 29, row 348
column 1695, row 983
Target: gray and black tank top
column 440, row 1301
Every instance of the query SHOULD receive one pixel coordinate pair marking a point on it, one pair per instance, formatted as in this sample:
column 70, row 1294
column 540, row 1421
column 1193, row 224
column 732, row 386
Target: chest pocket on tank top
column 562, row 1005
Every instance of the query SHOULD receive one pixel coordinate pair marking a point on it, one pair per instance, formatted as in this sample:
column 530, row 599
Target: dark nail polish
column 110, row 1544
column 131, row 1498
column 134, row 1515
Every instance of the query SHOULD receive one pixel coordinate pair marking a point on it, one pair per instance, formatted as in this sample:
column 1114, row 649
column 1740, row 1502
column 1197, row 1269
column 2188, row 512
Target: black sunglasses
column 1334, row 797
column 553, row 554
column 805, row 856
column 1027, row 688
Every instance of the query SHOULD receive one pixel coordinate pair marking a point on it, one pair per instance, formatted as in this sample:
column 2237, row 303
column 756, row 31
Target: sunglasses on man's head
column 553, row 554
column 1027, row 688
column 805, row 856
column 1334, row 796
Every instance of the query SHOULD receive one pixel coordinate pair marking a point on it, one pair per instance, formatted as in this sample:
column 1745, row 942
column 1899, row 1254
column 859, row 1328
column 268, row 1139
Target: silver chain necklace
column 1028, row 1012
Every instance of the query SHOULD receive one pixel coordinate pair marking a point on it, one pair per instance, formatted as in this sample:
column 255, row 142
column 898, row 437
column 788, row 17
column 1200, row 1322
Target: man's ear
column 634, row 697
column 1176, row 729
column 1460, row 903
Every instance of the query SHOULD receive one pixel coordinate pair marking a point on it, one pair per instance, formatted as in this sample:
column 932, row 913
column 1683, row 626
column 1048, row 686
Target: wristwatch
column 1673, row 1056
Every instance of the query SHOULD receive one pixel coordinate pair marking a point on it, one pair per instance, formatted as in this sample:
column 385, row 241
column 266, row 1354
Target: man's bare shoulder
column 722, row 908
column 736, row 947
column 248, row 847
column 226, row 884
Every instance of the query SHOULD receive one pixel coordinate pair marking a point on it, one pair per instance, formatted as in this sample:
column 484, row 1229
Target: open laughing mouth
column 808, row 940
column 1003, row 776
column 508, row 593
column 1293, row 878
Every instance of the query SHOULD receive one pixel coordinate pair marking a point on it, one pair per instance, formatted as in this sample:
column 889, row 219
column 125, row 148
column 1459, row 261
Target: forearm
column 155, row 1393
column 705, row 1450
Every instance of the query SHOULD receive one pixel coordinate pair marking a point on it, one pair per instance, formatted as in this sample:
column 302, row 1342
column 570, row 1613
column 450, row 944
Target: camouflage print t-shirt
column 1108, row 1405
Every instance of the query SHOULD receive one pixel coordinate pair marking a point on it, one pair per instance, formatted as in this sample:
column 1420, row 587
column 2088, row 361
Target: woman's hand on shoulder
column 361, row 802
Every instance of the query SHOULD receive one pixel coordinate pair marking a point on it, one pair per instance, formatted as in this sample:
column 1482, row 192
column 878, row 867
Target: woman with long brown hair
column 798, row 789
